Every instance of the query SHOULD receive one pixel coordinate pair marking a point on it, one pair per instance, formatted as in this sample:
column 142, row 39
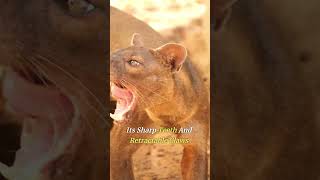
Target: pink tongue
column 120, row 93
column 124, row 99
column 46, row 113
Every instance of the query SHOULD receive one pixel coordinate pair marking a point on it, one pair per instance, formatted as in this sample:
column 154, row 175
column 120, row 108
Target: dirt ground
column 158, row 161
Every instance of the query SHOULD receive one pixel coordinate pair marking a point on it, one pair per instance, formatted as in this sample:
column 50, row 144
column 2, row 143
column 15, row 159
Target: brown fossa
column 162, row 86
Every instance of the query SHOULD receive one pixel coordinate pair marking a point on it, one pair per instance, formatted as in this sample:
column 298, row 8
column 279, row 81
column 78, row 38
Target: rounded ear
column 175, row 54
column 136, row 40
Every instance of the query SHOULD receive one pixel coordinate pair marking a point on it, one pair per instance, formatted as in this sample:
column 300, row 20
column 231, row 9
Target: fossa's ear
column 221, row 12
column 174, row 54
column 137, row 40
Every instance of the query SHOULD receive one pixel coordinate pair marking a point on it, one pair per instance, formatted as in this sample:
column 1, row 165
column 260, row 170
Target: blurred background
column 181, row 21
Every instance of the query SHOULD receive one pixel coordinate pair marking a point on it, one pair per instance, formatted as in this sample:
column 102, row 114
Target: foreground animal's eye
column 80, row 7
column 134, row 63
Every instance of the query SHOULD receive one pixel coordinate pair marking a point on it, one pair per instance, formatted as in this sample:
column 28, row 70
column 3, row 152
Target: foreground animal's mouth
column 126, row 101
column 47, row 117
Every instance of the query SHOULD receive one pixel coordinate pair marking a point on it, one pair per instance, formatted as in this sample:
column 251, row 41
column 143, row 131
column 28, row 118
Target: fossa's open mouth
column 47, row 117
column 126, row 101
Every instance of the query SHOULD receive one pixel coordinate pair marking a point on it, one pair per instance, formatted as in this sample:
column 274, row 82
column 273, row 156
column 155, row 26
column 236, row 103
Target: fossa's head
column 142, row 76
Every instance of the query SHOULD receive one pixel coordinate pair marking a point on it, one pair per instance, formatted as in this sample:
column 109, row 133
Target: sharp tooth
column 116, row 117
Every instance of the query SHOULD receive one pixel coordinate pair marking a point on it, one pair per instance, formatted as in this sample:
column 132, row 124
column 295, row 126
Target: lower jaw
column 126, row 117
column 26, row 166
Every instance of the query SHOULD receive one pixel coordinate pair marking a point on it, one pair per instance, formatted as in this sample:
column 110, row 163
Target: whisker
column 143, row 99
column 9, row 151
column 159, row 95
column 83, row 86
column 138, row 93
column 84, row 100
column 73, row 78
column 20, row 46
column 44, row 82
column 86, row 121
column 22, row 66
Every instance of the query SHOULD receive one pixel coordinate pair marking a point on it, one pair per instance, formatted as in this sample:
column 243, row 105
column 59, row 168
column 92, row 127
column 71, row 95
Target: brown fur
column 184, row 100
column 266, row 84
column 71, row 51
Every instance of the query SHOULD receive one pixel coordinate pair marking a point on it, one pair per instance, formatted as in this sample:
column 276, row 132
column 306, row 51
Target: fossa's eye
column 134, row 63
column 80, row 7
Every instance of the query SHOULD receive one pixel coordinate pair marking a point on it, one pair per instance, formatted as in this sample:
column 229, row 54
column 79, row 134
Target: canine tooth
column 116, row 117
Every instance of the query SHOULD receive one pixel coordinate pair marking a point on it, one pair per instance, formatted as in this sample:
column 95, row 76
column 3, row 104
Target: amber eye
column 134, row 63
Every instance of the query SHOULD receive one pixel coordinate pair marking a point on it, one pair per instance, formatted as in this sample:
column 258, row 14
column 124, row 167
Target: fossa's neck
column 180, row 107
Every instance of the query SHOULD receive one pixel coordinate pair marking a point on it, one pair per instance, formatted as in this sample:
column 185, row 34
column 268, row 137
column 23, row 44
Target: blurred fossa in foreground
column 53, row 90
column 193, row 166
column 267, row 91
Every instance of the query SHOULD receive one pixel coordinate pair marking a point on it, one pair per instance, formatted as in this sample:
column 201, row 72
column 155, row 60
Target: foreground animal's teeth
column 13, row 173
column 4, row 170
